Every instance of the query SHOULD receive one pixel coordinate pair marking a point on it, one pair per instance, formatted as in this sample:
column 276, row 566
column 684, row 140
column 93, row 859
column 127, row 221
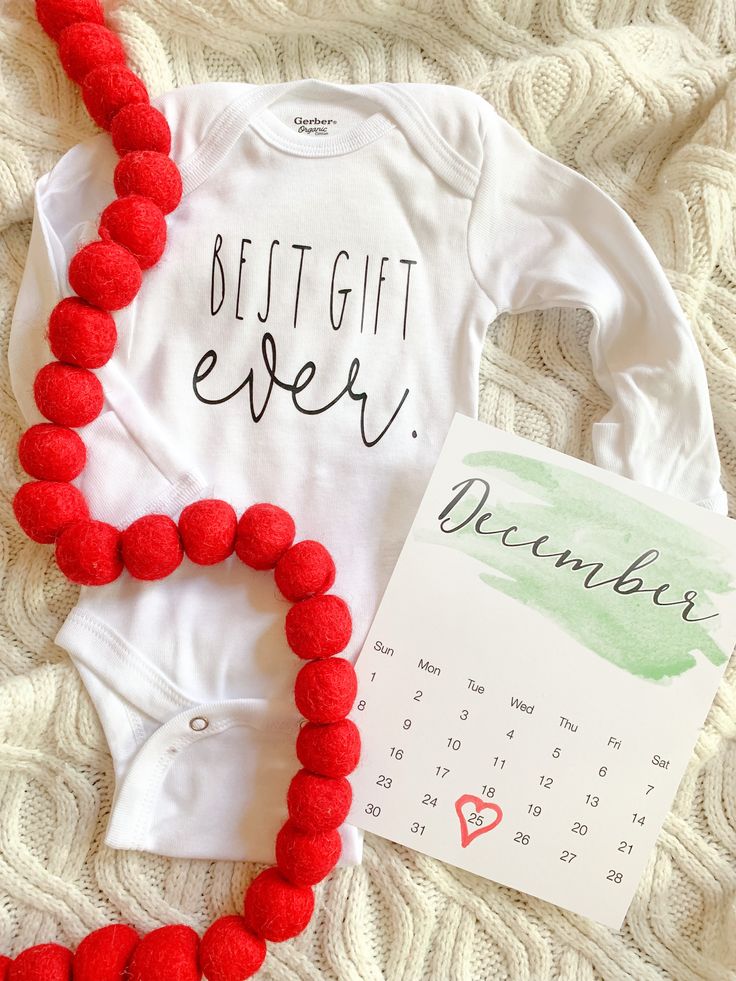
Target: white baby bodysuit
column 315, row 321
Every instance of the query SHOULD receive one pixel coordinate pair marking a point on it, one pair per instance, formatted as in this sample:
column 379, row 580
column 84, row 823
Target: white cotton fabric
column 437, row 216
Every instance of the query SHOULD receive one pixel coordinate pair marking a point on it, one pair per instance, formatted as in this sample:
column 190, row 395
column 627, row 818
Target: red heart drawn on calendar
column 475, row 818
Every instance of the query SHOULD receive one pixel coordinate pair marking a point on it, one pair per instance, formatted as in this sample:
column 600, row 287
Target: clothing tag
column 321, row 118
column 314, row 124
column 538, row 670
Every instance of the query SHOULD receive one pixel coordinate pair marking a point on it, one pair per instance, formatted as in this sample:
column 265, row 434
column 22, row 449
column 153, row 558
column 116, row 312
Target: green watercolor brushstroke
column 583, row 515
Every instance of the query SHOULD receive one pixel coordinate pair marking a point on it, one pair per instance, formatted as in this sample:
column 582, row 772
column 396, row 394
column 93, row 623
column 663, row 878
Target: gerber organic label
column 539, row 668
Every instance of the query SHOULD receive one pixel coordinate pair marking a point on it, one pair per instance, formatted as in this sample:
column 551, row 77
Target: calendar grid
column 496, row 741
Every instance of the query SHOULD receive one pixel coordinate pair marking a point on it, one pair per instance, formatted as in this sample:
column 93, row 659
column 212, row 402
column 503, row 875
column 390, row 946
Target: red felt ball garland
column 106, row 275
column 50, row 452
column 104, row 954
column 81, row 334
column 86, row 46
column 140, row 127
column 229, row 950
column 137, row 224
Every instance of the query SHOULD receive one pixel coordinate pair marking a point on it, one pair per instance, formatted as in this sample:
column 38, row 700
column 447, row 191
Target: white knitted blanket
column 638, row 95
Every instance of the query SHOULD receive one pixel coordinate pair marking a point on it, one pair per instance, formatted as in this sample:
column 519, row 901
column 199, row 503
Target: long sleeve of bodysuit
column 132, row 467
column 541, row 235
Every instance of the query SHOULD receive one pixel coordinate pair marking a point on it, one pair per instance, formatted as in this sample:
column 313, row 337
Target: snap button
column 198, row 723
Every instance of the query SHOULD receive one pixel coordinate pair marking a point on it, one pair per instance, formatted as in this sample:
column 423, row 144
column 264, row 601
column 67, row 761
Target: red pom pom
column 229, row 951
column 86, row 46
column 103, row 954
column 166, row 954
column 88, row 553
column 46, row 962
column 105, row 274
column 303, row 570
column 55, row 15
column 51, row 452
column 324, row 691
column 318, row 803
column 151, row 547
column 140, row 126
column 275, row 909
column 154, row 175
column 107, row 89
column 44, row 508
column 265, row 531
column 5, row 963
column 137, row 224
column 80, row 334
column 303, row 858
column 68, row 395
column 332, row 750
column 318, row 627
column 207, row 529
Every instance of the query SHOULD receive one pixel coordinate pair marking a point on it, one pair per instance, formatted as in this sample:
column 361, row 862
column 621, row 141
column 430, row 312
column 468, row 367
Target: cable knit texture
column 639, row 96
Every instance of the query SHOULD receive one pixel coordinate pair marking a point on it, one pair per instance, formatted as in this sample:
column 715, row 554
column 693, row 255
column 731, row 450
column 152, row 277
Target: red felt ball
column 229, row 951
column 166, row 954
column 44, row 508
column 265, row 531
column 105, row 275
column 67, row 395
column 137, row 224
column 50, row 452
column 140, row 126
column 55, row 15
column 275, row 909
column 81, row 334
column 45, row 962
column 332, row 750
column 207, row 529
column 152, row 548
column 303, row 858
column 107, row 89
column 325, row 690
column 318, row 803
column 318, row 627
column 303, row 570
column 88, row 553
column 85, row 46
column 5, row 963
column 152, row 174
column 103, row 954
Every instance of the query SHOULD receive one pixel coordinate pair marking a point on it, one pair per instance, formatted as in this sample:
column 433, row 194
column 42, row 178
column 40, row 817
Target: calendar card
column 538, row 670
